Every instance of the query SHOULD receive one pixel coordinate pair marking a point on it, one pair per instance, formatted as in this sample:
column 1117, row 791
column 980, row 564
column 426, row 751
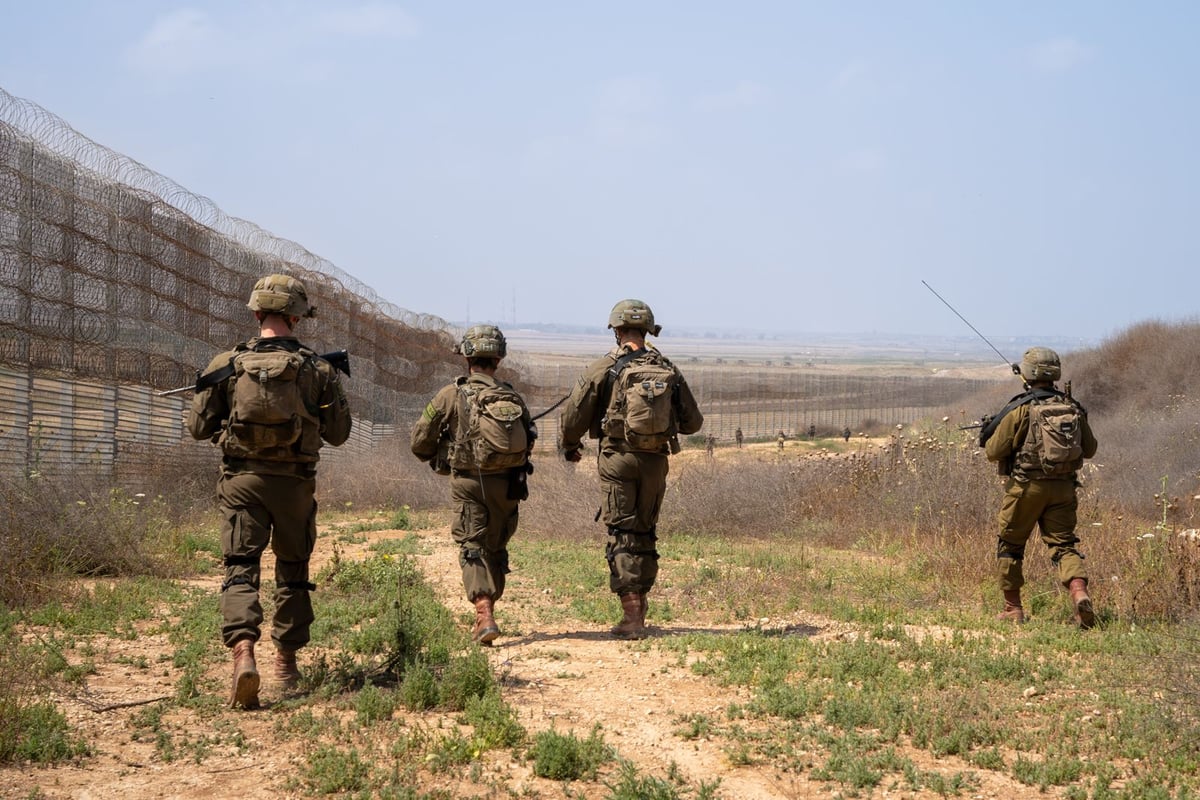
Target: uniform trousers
column 257, row 510
column 1050, row 504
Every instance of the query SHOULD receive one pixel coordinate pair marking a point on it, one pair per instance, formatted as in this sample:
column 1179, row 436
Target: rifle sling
column 211, row 379
column 613, row 373
column 337, row 359
column 1015, row 403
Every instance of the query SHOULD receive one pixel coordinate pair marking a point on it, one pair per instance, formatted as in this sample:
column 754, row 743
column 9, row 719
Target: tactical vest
column 1053, row 447
column 640, row 408
column 270, row 416
column 491, row 434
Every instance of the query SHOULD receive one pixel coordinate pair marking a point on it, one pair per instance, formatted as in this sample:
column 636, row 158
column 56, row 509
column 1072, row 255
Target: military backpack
column 269, row 417
column 642, row 387
column 491, row 433
column 1054, row 444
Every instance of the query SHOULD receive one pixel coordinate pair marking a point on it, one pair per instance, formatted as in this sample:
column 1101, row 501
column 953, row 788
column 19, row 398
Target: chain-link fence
column 116, row 282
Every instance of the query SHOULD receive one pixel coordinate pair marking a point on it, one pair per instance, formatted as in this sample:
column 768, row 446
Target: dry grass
column 925, row 493
column 926, row 498
column 387, row 477
column 76, row 525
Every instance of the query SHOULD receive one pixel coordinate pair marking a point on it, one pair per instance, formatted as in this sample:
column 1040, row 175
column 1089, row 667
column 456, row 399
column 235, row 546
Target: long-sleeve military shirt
column 210, row 409
column 584, row 409
column 1010, row 434
column 438, row 424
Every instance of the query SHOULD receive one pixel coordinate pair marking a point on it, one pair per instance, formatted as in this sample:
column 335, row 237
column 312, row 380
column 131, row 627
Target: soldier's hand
column 574, row 456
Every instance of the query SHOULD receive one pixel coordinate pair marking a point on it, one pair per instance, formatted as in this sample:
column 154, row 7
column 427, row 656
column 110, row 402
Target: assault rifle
column 338, row 359
column 986, row 420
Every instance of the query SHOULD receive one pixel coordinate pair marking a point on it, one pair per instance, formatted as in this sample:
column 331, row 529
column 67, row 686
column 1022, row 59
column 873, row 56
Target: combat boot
column 486, row 630
column 1085, row 617
column 633, row 617
column 286, row 670
column 1013, row 612
column 244, row 692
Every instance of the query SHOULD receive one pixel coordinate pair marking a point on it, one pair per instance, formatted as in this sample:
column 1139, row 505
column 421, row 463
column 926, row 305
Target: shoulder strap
column 211, row 379
column 614, row 372
column 1018, row 401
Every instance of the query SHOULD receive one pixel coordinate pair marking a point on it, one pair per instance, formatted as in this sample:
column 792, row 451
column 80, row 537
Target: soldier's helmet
column 482, row 341
column 633, row 314
column 1040, row 364
column 281, row 294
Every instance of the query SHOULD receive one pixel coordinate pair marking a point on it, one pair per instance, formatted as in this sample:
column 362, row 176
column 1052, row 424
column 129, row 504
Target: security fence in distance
column 117, row 283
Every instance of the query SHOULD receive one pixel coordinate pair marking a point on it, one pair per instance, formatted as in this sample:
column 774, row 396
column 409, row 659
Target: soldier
column 478, row 430
column 846, row 433
column 737, row 437
column 1040, row 440
column 780, row 440
column 812, row 431
column 710, row 443
column 268, row 404
column 636, row 403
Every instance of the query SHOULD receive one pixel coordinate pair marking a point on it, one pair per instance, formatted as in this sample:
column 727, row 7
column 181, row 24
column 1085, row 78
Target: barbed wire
column 109, row 270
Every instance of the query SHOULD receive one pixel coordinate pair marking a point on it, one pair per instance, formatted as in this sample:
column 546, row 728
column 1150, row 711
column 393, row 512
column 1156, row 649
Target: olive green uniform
column 1035, row 498
column 486, row 510
column 270, row 499
column 634, row 482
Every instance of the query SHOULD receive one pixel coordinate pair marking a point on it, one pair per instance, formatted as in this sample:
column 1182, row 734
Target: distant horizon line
column 736, row 332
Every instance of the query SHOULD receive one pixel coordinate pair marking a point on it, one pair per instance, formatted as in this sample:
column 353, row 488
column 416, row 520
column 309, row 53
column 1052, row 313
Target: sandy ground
column 569, row 677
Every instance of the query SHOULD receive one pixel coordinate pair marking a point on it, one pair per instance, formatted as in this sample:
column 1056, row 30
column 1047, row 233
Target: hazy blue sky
column 774, row 165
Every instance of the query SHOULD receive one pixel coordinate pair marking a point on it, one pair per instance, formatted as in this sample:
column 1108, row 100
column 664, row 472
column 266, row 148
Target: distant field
column 769, row 385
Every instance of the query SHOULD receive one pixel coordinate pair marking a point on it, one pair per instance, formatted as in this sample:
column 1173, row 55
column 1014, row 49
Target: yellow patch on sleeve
column 430, row 412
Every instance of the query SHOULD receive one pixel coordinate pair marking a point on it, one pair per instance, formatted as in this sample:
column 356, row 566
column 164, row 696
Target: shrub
column 53, row 526
column 564, row 757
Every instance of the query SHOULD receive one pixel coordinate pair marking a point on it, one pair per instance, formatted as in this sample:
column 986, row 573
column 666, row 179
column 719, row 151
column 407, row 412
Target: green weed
column 334, row 771
column 494, row 721
column 565, row 757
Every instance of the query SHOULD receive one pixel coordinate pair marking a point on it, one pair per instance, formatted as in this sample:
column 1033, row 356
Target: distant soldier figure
column 478, row 431
column 737, row 437
column 1040, row 440
column 782, row 438
column 846, row 433
column 636, row 402
column 812, row 431
column 710, row 442
column 269, row 402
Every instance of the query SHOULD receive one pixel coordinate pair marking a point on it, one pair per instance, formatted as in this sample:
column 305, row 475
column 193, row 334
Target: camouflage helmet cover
column 281, row 294
column 482, row 341
column 1040, row 364
column 633, row 314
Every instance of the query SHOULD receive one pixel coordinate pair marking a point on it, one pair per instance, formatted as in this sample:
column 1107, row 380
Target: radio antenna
column 1015, row 368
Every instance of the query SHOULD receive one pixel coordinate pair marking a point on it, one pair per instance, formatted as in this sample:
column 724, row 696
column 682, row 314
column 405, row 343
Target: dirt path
column 577, row 676
column 569, row 677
